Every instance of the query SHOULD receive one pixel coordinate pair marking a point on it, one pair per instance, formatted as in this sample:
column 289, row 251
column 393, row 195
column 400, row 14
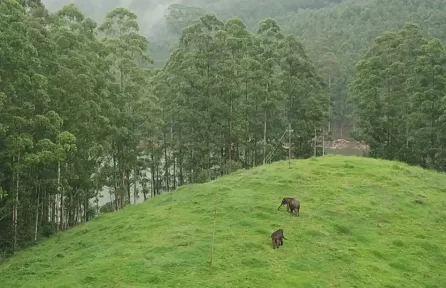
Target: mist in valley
column 151, row 15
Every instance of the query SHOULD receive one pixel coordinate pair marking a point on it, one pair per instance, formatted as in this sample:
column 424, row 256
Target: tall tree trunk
column 16, row 202
column 158, row 179
column 264, row 138
column 115, row 178
column 45, row 207
column 135, row 182
column 191, row 167
column 208, row 128
column 97, row 199
column 329, row 104
column 144, row 193
column 255, row 137
column 152, row 172
column 37, row 215
column 181, row 157
column 78, row 211
column 58, row 209
column 230, row 134
column 222, row 156
column 173, row 156
column 166, row 163
column 174, row 173
column 247, row 151
column 208, row 153
column 86, row 207
column 53, row 211
column 128, row 186
column 264, row 125
column 432, row 137
column 124, row 189
column 62, row 203
column 71, row 209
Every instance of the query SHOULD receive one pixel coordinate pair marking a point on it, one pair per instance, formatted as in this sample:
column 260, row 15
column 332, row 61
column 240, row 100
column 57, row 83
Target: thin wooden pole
column 213, row 232
column 323, row 144
column 289, row 145
column 315, row 141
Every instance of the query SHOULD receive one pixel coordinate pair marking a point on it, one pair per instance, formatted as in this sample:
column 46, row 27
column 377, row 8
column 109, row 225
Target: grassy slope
column 359, row 227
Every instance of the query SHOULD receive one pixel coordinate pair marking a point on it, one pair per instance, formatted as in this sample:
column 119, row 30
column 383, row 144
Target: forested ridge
column 83, row 108
column 335, row 33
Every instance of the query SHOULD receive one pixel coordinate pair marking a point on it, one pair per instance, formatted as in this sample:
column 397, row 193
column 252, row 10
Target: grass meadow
column 363, row 223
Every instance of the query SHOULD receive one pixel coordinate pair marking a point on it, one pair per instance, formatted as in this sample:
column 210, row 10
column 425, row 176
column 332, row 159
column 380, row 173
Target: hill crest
column 363, row 222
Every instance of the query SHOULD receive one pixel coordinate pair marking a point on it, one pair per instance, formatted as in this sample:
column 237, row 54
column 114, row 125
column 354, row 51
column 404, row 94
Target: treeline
column 81, row 111
column 74, row 110
column 399, row 94
column 225, row 92
column 336, row 33
column 338, row 36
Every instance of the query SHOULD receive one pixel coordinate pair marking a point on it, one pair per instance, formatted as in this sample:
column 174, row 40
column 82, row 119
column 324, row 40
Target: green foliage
column 362, row 223
column 181, row 16
column 346, row 30
column 3, row 193
column 107, row 208
column 225, row 90
column 343, row 29
column 399, row 98
column 58, row 126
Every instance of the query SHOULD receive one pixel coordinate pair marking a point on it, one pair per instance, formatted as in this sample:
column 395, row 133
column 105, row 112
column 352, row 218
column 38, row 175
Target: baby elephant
column 292, row 205
column 277, row 238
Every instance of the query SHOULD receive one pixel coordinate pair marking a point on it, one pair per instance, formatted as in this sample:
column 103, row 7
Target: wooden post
column 213, row 232
column 323, row 144
column 315, row 141
column 289, row 145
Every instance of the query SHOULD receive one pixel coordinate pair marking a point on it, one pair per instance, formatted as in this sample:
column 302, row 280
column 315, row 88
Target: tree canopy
column 85, row 113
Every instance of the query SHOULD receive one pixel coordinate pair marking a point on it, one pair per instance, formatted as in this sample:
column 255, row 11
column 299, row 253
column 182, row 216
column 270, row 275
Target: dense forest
column 83, row 107
column 335, row 33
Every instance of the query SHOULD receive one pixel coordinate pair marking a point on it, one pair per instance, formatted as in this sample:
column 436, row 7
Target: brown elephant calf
column 277, row 238
column 292, row 205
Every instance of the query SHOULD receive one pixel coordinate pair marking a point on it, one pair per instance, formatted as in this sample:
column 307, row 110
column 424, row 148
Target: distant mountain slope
column 347, row 29
column 363, row 223
column 151, row 14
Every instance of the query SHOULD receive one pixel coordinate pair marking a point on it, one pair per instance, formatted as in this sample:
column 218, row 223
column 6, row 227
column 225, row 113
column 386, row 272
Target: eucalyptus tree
column 23, row 95
column 195, row 66
column 428, row 115
column 233, row 43
column 269, row 34
column 252, row 92
column 180, row 16
column 31, row 124
column 331, row 69
column 134, row 114
column 398, row 96
column 305, row 95
column 77, row 87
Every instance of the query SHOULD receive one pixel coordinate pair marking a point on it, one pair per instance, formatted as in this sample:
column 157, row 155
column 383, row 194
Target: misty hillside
column 344, row 27
column 154, row 11
column 335, row 33
column 151, row 14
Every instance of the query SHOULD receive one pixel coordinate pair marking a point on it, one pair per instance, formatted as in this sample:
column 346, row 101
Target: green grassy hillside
column 363, row 223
